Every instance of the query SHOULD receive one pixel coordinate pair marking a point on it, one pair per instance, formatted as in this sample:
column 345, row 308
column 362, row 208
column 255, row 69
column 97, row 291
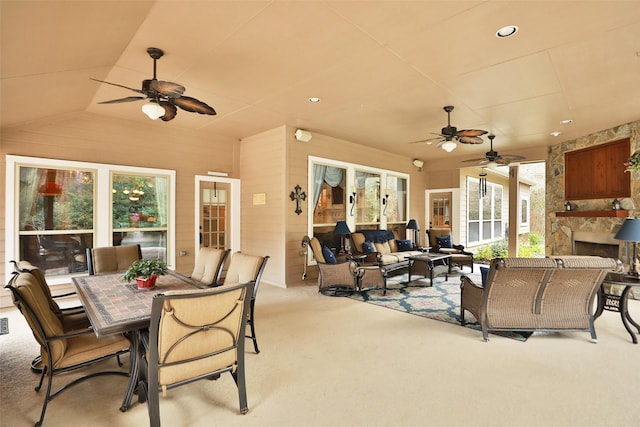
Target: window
column 355, row 194
column 64, row 207
column 367, row 203
column 524, row 211
column 484, row 215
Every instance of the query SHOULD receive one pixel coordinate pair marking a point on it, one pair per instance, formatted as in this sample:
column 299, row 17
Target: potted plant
column 145, row 272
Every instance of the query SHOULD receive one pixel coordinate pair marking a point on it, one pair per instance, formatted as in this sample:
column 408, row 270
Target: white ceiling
column 383, row 70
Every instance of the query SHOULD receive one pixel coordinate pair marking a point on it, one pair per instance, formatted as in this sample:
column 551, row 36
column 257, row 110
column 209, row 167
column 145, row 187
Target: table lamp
column 630, row 232
column 413, row 225
column 342, row 229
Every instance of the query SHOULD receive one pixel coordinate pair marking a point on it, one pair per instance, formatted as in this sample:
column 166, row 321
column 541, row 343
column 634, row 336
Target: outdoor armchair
column 209, row 265
column 440, row 244
column 194, row 335
column 112, row 259
column 245, row 268
column 61, row 351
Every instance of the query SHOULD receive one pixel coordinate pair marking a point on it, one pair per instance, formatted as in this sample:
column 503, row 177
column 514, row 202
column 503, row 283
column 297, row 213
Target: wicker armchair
column 459, row 256
column 536, row 294
column 339, row 279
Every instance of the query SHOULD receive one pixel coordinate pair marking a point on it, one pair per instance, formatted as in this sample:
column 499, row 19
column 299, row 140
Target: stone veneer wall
column 558, row 230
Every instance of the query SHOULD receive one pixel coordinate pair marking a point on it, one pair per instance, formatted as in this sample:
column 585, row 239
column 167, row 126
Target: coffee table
column 430, row 265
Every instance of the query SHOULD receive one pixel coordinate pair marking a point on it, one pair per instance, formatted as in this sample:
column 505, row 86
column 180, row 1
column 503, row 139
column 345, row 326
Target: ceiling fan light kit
column 450, row 134
column 448, row 146
column 153, row 110
column 164, row 97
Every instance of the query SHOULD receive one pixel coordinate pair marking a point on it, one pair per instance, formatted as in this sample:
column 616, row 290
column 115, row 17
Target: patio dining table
column 114, row 307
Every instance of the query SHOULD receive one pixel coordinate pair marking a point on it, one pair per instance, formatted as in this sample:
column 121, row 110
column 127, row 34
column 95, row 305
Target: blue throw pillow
column 404, row 245
column 444, row 241
column 368, row 247
column 329, row 256
column 483, row 272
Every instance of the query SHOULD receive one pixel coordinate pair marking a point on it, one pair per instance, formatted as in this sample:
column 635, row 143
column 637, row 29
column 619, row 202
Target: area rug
column 439, row 302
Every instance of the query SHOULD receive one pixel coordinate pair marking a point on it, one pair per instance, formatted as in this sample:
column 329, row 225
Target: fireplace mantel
column 620, row 213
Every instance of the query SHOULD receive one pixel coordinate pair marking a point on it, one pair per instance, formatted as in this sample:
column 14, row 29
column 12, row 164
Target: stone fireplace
column 594, row 243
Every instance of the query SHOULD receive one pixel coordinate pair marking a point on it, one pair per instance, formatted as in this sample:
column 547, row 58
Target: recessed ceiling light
column 566, row 122
column 314, row 99
column 507, row 31
column 556, row 133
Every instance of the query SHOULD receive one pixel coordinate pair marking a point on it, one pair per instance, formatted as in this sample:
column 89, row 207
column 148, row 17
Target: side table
column 618, row 303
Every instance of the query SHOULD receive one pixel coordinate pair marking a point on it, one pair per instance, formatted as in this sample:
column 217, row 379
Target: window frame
column 102, row 227
column 350, row 175
column 491, row 193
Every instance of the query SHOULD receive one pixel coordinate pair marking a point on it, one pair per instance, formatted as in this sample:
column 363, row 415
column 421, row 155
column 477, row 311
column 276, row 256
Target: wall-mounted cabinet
column 598, row 172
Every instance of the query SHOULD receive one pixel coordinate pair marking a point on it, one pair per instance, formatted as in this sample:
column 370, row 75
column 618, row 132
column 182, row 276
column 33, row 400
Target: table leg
column 624, row 314
column 134, row 370
column 410, row 265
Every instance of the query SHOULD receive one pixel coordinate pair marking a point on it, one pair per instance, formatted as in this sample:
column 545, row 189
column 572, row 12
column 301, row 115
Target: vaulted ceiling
column 383, row 70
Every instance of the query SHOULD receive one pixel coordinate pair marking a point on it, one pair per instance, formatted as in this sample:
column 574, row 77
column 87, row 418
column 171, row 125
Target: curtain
column 333, row 176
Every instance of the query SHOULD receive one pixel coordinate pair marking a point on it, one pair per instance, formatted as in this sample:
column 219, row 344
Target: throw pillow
column 404, row 245
column 368, row 248
column 483, row 272
column 444, row 241
column 329, row 256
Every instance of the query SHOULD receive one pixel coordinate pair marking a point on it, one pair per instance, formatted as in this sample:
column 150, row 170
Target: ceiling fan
column 163, row 96
column 450, row 134
column 495, row 158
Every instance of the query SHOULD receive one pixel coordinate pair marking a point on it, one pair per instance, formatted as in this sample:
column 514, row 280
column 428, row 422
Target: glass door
column 214, row 209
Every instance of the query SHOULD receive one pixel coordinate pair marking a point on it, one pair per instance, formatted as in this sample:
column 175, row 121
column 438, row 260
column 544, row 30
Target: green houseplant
column 145, row 272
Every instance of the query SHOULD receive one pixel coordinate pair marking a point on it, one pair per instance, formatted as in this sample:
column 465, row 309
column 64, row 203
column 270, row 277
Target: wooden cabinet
column 598, row 172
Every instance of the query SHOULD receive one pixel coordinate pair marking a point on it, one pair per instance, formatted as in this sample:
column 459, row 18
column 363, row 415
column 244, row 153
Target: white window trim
column 350, row 177
column 103, row 236
column 491, row 185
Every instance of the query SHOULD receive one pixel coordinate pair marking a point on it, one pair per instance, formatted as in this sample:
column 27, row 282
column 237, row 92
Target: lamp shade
column 630, row 230
column 413, row 225
column 341, row 228
column 50, row 188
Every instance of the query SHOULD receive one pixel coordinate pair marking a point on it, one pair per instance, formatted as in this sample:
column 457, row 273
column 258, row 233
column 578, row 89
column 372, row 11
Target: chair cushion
column 404, row 245
column 484, row 271
column 329, row 256
column 368, row 248
column 207, row 265
column 383, row 248
column 444, row 241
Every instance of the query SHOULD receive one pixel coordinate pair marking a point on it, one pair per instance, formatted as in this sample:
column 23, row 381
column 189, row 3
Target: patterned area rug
column 439, row 302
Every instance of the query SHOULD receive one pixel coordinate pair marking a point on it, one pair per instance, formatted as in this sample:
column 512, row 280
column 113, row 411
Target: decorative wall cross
column 298, row 196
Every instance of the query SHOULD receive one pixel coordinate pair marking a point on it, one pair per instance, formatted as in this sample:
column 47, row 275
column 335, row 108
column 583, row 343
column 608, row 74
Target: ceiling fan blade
column 193, row 105
column 170, row 111
column 475, row 160
column 471, row 132
column 470, row 140
column 168, row 89
column 127, row 99
column 116, row 84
